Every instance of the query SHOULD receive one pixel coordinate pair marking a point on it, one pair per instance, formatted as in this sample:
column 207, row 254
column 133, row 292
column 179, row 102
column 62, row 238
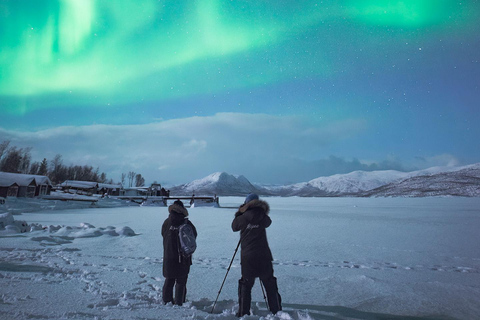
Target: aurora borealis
column 179, row 89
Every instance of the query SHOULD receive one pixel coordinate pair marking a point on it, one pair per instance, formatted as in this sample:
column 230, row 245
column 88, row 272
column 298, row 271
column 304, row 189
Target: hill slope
column 464, row 182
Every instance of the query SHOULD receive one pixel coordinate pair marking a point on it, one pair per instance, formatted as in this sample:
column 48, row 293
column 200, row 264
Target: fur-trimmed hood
column 253, row 205
column 175, row 208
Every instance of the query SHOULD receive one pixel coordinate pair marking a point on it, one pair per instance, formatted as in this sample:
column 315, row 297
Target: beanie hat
column 250, row 197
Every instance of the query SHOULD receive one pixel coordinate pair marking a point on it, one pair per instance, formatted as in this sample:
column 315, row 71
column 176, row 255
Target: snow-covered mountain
column 436, row 181
column 341, row 184
column 464, row 182
column 219, row 183
column 354, row 183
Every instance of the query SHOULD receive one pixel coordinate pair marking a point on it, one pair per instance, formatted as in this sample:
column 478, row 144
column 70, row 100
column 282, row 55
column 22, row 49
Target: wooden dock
column 71, row 198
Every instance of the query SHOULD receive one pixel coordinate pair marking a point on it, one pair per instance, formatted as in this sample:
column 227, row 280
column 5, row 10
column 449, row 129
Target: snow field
column 337, row 258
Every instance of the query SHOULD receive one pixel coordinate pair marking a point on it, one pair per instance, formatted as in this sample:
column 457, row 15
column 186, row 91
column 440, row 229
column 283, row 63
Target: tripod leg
column 263, row 292
column 225, row 278
column 274, row 298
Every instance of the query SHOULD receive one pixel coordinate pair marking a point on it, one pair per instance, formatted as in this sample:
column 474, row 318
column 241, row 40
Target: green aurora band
column 88, row 53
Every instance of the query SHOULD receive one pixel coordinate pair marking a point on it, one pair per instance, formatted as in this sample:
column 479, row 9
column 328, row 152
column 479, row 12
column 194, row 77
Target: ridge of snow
column 353, row 183
column 464, row 182
column 359, row 181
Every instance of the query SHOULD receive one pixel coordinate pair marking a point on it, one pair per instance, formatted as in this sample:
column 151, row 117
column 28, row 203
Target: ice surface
column 335, row 258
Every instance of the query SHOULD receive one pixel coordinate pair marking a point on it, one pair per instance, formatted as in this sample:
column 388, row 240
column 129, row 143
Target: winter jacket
column 175, row 266
column 251, row 220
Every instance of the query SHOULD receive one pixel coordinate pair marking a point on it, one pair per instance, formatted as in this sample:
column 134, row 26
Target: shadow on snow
column 305, row 311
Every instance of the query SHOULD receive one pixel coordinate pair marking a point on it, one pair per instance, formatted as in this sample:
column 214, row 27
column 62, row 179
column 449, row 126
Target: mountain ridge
column 435, row 181
column 218, row 183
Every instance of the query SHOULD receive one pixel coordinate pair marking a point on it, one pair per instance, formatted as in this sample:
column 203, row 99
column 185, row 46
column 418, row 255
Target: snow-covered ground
column 335, row 258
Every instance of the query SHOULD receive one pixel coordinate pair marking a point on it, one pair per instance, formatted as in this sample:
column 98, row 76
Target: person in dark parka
column 175, row 266
column 251, row 220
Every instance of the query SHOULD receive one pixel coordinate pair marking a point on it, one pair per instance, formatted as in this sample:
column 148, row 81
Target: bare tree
column 139, row 180
column 96, row 175
column 34, row 168
column 124, row 175
column 56, row 165
column 25, row 161
column 3, row 147
column 11, row 160
column 131, row 176
column 19, row 160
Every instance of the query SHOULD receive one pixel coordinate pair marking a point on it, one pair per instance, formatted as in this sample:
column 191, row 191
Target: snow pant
column 245, row 294
column 180, row 290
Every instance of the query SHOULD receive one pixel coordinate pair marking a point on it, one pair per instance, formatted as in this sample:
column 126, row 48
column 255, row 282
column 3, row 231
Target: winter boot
column 244, row 297
column 167, row 291
column 180, row 291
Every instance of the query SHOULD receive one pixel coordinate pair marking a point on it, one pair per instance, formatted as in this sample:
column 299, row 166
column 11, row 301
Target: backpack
column 186, row 240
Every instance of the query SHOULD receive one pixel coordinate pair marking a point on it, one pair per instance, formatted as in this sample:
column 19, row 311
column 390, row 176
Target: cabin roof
column 7, row 179
column 79, row 184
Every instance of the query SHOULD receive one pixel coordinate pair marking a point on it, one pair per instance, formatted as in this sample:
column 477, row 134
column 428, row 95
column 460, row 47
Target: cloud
column 176, row 151
column 441, row 160
column 264, row 148
column 329, row 165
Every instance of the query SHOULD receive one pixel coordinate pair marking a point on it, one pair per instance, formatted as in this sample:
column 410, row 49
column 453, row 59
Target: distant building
column 137, row 191
column 155, row 190
column 90, row 187
column 109, row 189
column 158, row 190
column 79, row 187
column 24, row 185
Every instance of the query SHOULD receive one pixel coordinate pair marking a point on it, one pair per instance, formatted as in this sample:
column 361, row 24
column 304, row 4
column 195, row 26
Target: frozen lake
column 335, row 258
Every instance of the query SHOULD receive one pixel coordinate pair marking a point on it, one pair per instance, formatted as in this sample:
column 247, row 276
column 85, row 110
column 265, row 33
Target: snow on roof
column 109, row 186
column 7, row 179
column 79, row 184
column 137, row 188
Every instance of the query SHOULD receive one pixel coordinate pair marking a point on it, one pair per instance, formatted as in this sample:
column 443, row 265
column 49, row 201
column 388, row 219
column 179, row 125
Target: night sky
column 278, row 91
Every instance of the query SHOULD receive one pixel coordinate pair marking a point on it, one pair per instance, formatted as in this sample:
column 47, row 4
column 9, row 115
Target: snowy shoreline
column 338, row 258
